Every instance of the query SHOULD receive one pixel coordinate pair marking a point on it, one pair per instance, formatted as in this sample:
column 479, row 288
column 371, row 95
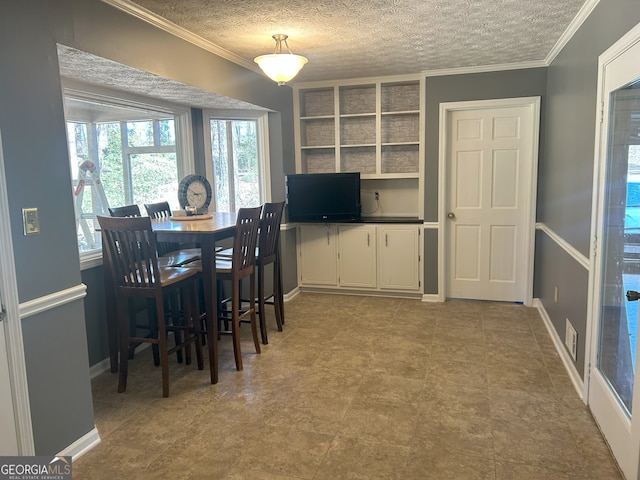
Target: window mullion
column 231, row 167
column 126, row 164
column 156, row 133
column 150, row 149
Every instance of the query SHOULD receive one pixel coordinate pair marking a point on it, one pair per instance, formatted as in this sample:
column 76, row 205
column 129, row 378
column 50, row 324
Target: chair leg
column 277, row 295
column 261, row 305
column 152, row 318
column 123, row 327
column 235, row 323
column 162, row 343
column 184, row 323
column 196, row 322
column 252, row 307
column 173, row 304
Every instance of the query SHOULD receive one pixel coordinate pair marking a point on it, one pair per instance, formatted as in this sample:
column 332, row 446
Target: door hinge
column 601, row 112
column 595, row 246
column 3, row 313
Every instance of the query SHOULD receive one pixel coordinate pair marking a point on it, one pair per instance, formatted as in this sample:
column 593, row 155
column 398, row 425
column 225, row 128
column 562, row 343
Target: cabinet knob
column 451, row 215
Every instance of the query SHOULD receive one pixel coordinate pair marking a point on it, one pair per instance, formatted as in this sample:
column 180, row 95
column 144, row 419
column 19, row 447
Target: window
column 120, row 154
column 238, row 165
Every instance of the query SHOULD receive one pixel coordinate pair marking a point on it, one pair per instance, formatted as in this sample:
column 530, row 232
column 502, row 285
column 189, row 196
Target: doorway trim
column 13, row 325
column 599, row 157
column 446, row 108
column 593, row 379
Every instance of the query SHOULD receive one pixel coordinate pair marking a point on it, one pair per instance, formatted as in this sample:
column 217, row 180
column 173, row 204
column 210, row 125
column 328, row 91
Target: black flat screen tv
column 323, row 197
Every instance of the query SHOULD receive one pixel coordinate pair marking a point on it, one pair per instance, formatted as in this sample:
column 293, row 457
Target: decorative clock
column 195, row 191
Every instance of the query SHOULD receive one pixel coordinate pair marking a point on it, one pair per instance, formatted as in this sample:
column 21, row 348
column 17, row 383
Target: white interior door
column 8, row 437
column 613, row 394
column 16, row 434
column 491, row 153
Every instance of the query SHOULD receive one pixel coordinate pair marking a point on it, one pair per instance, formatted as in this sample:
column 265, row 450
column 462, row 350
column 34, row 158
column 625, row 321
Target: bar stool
column 268, row 252
column 234, row 268
column 162, row 210
column 130, row 246
column 125, row 211
column 168, row 256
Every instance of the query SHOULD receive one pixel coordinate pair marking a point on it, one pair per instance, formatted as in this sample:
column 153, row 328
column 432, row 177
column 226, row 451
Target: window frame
column 262, row 138
column 183, row 126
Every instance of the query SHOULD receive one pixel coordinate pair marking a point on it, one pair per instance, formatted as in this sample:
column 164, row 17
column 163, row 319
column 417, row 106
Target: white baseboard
column 82, row 445
column 105, row 365
column 431, row 297
column 98, row 368
column 576, row 380
column 291, row 295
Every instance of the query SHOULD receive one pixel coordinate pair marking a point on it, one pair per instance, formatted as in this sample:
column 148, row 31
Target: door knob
column 451, row 215
column 633, row 296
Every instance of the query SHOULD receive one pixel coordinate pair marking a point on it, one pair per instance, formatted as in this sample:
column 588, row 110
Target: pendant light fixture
column 278, row 66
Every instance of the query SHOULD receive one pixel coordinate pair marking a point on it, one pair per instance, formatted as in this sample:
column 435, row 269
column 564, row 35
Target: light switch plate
column 30, row 221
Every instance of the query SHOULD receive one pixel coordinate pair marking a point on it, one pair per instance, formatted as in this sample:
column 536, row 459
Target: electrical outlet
column 555, row 294
column 377, row 194
column 30, row 221
column 571, row 339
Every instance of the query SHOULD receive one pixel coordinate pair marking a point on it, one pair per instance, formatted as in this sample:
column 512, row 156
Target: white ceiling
column 343, row 38
column 362, row 38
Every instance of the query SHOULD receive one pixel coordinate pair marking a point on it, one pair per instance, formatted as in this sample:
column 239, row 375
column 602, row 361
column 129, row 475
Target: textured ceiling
column 90, row 69
column 360, row 38
column 341, row 38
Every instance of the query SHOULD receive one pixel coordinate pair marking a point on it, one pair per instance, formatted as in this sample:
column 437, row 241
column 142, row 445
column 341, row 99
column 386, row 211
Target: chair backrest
column 126, row 211
column 161, row 210
column 269, row 237
column 130, row 245
column 245, row 240
column 158, row 210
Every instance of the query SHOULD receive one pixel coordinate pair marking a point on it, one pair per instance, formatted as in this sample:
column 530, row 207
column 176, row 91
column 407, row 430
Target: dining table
column 204, row 230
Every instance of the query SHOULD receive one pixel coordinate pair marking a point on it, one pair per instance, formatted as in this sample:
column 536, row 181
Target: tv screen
column 313, row 197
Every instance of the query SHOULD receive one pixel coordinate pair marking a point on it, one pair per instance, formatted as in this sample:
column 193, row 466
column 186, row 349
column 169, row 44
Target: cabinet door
column 318, row 255
column 357, row 256
column 399, row 259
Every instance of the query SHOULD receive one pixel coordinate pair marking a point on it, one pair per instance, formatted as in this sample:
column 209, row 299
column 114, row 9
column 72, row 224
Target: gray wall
column 459, row 88
column 566, row 164
column 38, row 175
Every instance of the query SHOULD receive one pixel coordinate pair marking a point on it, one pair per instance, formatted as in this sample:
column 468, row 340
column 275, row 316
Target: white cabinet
column 317, row 254
column 357, row 256
column 399, row 257
column 367, row 257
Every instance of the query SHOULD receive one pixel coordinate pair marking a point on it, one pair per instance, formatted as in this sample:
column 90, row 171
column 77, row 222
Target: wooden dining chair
column 130, row 246
column 162, row 210
column 167, row 258
column 268, row 252
column 233, row 269
column 125, row 211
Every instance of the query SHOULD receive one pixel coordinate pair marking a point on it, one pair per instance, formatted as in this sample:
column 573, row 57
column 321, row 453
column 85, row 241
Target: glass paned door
column 621, row 247
column 613, row 389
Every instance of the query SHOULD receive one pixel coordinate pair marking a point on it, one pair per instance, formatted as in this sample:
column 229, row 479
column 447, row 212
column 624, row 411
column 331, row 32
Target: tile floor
column 359, row 388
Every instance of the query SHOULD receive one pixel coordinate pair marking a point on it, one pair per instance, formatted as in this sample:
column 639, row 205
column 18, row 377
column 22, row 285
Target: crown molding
column 484, row 68
column 570, row 31
column 147, row 16
column 169, row 27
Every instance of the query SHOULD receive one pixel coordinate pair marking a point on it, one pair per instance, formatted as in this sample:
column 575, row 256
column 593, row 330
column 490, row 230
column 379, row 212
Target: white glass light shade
column 281, row 67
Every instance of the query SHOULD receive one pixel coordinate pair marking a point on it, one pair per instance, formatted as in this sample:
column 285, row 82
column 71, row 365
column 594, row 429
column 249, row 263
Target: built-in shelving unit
column 375, row 127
